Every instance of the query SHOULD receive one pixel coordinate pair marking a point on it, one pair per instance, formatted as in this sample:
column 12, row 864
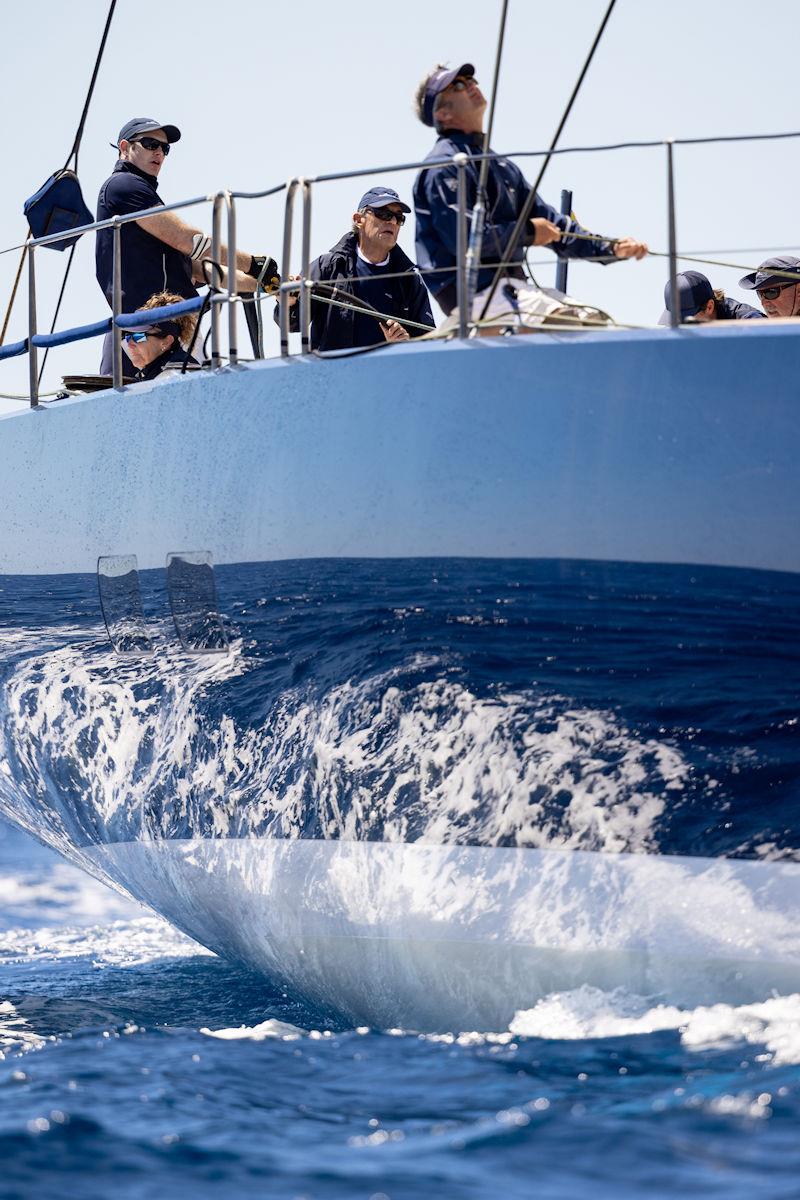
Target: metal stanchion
column 561, row 269
column 116, row 308
column 305, row 266
column 674, row 294
column 33, row 358
column 216, row 280
column 286, row 264
column 233, row 353
column 462, row 289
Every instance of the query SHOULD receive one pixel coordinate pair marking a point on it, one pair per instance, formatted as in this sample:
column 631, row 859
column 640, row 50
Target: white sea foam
column 430, row 761
column 272, row 1028
column 15, row 1032
column 588, row 1012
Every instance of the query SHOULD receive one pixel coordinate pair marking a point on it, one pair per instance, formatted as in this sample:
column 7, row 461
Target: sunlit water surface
column 134, row 1064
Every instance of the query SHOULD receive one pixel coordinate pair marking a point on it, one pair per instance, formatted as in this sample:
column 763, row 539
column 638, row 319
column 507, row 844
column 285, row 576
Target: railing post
column 462, row 290
column 286, row 264
column 305, row 267
column 233, row 353
column 561, row 269
column 216, row 252
column 674, row 294
column 116, row 308
column 33, row 357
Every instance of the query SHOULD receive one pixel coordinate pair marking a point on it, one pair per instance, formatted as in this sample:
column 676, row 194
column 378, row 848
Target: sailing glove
column 266, row 269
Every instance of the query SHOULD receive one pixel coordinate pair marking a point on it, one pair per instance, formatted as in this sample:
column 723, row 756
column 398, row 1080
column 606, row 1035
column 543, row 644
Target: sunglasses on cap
column 153, row 144
column 772, row 293
column 387, row 214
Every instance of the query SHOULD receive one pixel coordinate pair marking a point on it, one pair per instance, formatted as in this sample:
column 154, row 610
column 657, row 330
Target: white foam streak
column 588, row 1012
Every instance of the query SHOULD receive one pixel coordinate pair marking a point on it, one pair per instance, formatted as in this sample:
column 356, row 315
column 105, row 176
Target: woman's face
column 145, row 350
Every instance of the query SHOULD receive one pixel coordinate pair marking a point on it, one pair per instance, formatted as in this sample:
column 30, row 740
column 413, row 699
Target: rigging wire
column 73, row 157
column 475, row 245
column 531, row 200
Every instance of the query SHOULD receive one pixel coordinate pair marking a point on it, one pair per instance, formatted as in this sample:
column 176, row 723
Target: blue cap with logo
column 765, row 275
column 436, row 82
column 694, row 290
column 378, row 196
column 139, row 125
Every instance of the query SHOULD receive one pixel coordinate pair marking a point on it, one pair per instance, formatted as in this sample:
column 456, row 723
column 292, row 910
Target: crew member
column 778, row 293
column 374, row 273
column 452, row 103
column 162, row 346
column 161, row 252
column 702, row 302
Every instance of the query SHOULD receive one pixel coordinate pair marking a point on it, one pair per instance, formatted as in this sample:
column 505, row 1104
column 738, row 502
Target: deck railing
column 223, row 206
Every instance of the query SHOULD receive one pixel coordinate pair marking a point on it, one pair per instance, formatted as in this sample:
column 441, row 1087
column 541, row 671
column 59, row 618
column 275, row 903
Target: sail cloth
column 57, row 207
column 519, row 305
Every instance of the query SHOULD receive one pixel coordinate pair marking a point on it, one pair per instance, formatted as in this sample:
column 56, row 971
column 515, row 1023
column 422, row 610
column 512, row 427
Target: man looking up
column 779, row 296
column 452, row 103
column 375, row 272
column 162, row 252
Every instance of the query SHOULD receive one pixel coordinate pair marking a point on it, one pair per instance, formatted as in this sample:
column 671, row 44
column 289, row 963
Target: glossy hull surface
column 492, row 687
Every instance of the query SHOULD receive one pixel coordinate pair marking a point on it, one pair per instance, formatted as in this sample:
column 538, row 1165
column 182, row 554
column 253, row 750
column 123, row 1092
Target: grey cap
column 765, row 276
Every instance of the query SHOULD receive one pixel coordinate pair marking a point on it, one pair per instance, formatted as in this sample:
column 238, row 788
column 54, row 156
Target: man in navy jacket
column 452, row 102
column 366, row 269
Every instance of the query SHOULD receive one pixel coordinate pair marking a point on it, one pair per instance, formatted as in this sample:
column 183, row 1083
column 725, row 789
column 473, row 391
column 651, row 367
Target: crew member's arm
column 170, row 228
column 551, row 228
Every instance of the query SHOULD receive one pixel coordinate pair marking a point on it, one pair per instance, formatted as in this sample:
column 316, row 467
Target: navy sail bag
column 56, row 207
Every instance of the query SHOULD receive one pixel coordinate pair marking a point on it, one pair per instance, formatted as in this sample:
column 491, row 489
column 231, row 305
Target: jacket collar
column 345, row 249
column 123, row 165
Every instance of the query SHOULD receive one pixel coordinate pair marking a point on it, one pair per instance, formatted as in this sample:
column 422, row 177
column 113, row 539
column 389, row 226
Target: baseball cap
column 378, row 196
column 765, row 275
column 436, row 82
column 694, row 290
column 139, row 125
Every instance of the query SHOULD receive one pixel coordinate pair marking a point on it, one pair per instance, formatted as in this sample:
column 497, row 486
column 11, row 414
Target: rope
column 531, row 200
column 7, row 317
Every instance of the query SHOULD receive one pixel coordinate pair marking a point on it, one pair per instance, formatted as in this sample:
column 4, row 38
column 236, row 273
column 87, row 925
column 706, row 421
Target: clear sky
column 265, row 90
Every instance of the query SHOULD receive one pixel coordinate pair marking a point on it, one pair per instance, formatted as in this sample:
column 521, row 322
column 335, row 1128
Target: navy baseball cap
column 694, row 291
column 765, row 275
column 378, row 196
column 436, row 82
column 139, row 125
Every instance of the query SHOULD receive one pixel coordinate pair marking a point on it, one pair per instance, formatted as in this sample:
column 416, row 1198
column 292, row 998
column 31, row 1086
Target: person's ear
column 169, row 338
column 124, row 146
column 358, row 218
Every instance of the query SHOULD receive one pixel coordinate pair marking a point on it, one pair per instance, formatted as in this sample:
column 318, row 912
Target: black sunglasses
column 141, row 336
column 772, row 293
column 387, row 214
column 153, row 144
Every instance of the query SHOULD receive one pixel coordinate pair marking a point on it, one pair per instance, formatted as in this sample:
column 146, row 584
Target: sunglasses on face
column 139, row 338
column 772, row 293
column 388, row 214
column 153, row 144
column 458, row 85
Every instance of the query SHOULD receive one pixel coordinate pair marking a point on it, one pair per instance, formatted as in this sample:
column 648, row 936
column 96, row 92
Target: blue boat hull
column 527, row 607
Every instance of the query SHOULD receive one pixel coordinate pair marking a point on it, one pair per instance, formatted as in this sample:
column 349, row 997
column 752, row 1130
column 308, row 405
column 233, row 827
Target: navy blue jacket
column 148, row 264
column 736, row 310
column 332, row 328
column 436, row 205
column 727, row 310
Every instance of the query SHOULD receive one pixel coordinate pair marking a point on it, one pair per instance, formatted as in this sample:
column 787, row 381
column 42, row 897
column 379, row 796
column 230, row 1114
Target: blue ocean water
column 136, row 1064
column 112, row 1085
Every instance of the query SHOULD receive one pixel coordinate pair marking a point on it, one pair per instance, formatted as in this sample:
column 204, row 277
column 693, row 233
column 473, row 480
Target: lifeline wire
column 531, row 200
